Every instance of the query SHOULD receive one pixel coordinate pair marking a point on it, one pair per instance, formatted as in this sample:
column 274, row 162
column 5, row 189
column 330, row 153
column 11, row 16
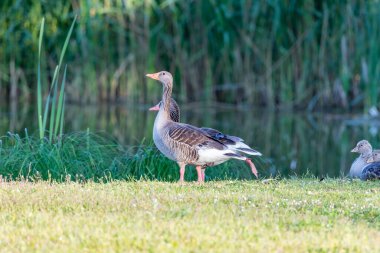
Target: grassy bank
column 227, row 216
column 83, row 156
column 287, row 53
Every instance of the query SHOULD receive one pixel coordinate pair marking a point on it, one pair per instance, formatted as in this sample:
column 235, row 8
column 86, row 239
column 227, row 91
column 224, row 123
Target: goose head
column 174, row 109
column 375, row 157
column 163, row 76
column 362, row 147
column 156, row 107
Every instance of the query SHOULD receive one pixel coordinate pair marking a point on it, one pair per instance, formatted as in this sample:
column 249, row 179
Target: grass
column 79, row 155
column 83, row 156
column 301, row 54
column 227, row 216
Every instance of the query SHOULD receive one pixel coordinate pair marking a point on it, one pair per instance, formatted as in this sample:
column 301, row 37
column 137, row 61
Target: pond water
column 292, row 144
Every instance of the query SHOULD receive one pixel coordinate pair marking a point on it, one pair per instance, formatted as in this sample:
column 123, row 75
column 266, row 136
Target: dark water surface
column 292, row 143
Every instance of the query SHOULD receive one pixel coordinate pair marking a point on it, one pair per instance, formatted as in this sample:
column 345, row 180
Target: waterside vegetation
column 300, row 54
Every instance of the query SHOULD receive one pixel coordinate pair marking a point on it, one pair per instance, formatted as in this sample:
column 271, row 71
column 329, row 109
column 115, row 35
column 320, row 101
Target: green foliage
column 78, row 155
column 302, row 54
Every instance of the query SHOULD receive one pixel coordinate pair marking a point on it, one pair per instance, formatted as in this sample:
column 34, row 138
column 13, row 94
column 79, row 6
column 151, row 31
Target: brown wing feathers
column 192, row 137
column 186, row 140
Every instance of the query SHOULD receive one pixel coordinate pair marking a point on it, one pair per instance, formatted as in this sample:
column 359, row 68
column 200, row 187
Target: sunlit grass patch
column 222, row 216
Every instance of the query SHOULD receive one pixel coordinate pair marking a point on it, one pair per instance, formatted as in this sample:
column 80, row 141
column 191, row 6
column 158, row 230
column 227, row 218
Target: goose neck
column 166, row 96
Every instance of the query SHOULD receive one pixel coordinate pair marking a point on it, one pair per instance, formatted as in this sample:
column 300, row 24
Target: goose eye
column 163, row 73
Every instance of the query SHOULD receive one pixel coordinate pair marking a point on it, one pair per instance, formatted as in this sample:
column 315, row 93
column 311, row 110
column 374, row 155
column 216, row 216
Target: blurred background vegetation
column 308, row 54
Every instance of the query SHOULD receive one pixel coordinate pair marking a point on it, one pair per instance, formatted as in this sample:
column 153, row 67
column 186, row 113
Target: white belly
column 212, row 156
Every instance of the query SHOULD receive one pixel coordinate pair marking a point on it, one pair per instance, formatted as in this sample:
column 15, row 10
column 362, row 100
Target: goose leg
column 199, row 172
column 182, row 167
column 252, row 166
column 203, row 174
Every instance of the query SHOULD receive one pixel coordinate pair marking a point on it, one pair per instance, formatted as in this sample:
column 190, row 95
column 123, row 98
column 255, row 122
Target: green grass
column 226, row 216
column 83, row 156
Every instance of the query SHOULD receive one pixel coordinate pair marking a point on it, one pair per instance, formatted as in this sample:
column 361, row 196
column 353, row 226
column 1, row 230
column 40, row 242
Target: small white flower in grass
column 155, row 203
column 133, row 203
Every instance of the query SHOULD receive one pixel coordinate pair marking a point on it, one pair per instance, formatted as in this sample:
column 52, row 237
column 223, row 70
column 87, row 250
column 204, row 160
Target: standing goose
column 372, row 170
column 364, row 148
column 185, row 143
column 232, row 142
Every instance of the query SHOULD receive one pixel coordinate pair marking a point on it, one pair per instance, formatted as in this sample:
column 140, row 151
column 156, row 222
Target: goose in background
column 364, row 148
column 185, row 143
column 372, row 170
column 232, row 142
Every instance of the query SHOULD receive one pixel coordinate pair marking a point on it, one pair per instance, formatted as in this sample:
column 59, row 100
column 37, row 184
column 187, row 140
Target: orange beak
column 153, row 76
column 155, row 108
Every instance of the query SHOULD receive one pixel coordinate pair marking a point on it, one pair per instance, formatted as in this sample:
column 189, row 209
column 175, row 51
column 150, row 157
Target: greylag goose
column 372, row 170
column 232, row 142
column 185, row 143
column 364, row 148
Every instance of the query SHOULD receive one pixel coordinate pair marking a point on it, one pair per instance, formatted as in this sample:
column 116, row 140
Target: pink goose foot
column 252, row 166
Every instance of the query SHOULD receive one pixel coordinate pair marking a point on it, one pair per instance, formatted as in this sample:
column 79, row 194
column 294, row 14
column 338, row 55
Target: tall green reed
column 55, row 114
